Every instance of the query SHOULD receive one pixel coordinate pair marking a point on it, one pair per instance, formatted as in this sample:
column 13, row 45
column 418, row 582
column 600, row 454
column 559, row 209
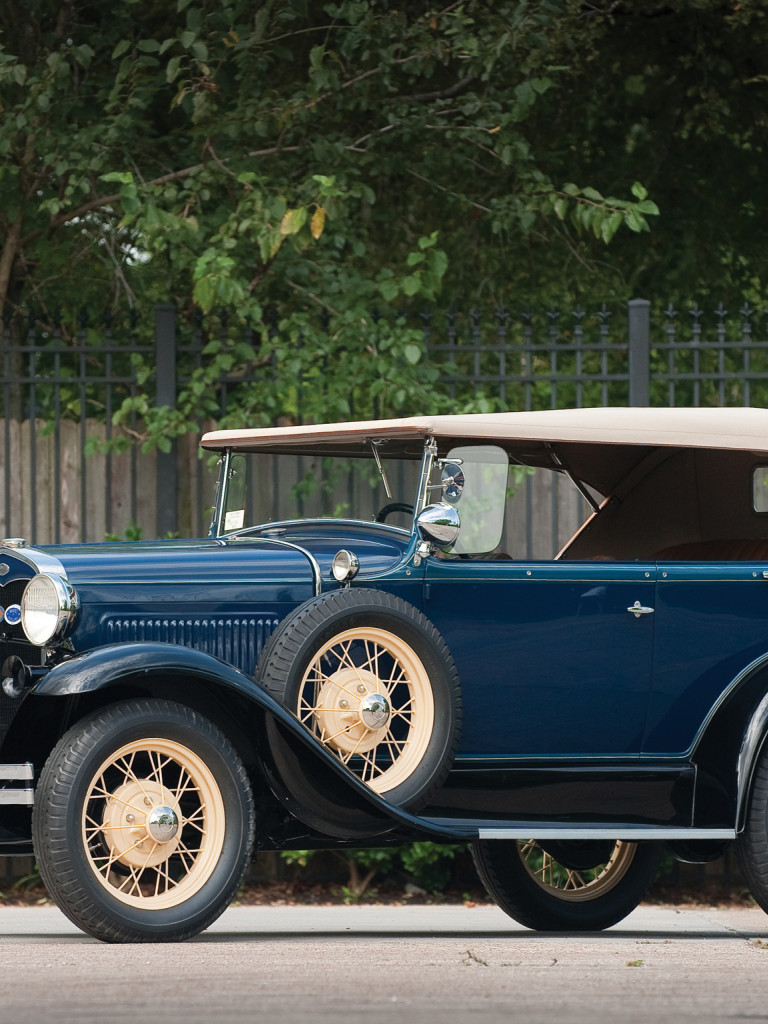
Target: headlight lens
column 48, row 608
column 344, row 566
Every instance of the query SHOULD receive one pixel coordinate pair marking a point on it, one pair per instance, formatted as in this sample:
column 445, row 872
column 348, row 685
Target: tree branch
column 442, row 94
column 442, row 188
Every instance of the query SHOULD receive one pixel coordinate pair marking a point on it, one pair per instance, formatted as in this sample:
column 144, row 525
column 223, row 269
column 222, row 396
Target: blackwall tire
column 143, row 822
column 752, row 843
column 578, row 886
column 372, row 678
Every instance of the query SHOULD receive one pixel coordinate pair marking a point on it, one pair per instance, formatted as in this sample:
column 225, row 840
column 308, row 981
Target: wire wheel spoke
column 576, row 881
column 123, row 833
column 367, row 696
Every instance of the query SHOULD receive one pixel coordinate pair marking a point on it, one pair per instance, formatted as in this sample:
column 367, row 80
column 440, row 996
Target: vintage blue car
column 381, row 666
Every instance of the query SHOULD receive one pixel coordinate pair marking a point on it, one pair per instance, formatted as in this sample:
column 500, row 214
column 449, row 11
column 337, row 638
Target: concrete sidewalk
column 44, row 924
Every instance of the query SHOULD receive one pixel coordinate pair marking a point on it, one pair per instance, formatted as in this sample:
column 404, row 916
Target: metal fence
column 60, row 385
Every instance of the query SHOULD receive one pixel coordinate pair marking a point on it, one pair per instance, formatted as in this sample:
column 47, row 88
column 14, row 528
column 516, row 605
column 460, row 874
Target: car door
column 554, row 657
column 710, row 625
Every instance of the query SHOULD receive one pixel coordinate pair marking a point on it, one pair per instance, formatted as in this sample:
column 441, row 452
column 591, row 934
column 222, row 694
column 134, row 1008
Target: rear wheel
column 752, row 843
column 566, row 885
column 143, row 822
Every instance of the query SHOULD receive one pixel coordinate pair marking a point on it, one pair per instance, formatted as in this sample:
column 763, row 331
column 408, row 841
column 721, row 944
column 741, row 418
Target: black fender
column 728, row 746
column 338, row 804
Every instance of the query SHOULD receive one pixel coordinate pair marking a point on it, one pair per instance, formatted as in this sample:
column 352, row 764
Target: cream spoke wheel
column 143, row 822
column 368, row 697
column 372, row 679
column 576, row 883
column 566, row 884
column 153, row 823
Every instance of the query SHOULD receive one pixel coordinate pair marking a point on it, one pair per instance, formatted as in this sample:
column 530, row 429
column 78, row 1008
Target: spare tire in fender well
column 370, row 676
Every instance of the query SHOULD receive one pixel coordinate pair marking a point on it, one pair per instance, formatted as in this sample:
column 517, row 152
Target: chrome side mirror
column 452, row 482
column 439, row 525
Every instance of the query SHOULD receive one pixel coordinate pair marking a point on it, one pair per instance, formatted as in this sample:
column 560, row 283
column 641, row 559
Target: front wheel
column 566, row 885
column 143, row 822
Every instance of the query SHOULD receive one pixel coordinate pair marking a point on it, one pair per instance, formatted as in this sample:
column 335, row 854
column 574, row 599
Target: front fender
column 338, row 803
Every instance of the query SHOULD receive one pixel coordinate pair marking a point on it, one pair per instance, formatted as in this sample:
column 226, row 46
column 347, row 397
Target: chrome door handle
column 638, row 609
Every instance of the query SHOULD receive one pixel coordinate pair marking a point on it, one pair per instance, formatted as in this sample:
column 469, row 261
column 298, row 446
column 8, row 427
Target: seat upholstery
column 744, row 550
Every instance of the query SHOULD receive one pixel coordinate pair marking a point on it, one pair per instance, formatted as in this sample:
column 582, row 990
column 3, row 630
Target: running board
column 603, row 832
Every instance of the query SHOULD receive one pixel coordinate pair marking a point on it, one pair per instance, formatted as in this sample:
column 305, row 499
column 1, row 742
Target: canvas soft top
column 735, row 428
column 599, row 446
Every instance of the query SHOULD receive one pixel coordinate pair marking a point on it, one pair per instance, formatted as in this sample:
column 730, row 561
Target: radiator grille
column 13, row 641
column 238, row 641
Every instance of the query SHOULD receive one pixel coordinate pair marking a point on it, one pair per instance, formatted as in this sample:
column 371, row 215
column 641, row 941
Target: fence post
column 165, row 394
column 639, row 313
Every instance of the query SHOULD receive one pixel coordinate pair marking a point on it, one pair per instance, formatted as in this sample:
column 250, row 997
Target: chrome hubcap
column 375, row 710
column 162, row 823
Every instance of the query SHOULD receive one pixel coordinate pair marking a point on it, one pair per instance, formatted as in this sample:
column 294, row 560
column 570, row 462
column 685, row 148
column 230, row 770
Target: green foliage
column 427, row 865
column 359, row 158
column 133, row 532
column 344, row 157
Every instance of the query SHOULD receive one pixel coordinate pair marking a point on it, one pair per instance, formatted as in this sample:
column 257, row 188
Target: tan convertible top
column 733, row 428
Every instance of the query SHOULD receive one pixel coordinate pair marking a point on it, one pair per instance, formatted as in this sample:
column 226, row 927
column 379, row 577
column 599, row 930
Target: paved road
column 378, row 965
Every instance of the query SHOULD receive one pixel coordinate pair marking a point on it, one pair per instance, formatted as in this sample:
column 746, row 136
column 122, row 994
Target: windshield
column 262, row 488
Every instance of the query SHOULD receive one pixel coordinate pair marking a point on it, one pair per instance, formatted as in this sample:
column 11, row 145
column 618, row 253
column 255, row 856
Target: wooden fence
column 55, row 493
column 91, row 498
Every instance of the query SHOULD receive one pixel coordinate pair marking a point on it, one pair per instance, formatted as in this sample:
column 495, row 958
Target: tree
column 336, row 157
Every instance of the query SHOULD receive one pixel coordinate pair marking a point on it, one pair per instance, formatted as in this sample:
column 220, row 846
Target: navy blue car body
column 330, row 677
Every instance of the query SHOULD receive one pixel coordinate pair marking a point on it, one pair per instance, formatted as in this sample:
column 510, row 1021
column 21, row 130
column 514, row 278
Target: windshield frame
column 217, row 532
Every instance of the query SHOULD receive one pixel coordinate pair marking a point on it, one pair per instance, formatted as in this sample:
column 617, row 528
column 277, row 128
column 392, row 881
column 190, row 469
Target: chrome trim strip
column 215, row 531
column 40, row 561
column 427, row 459
column 262, row 529
column 318, row 580
column 17, row 771
column 630, row 832
column 26, row 797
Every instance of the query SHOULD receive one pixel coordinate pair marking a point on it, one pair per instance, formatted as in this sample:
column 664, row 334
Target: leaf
column 610, row 225
column 649, row 207
column 389, row 290
column 205, row 293
column 318, row 222
column 412, row 284
column 438, row 262
column 639, row 191
column 293, row 221
column 412, row 354
column 172, row 68
column 635, row 221
column 120, row 49
column 124, row 177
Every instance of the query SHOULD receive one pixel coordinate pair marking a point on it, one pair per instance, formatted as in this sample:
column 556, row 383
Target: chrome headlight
column 48, row 608
column 345, row 566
